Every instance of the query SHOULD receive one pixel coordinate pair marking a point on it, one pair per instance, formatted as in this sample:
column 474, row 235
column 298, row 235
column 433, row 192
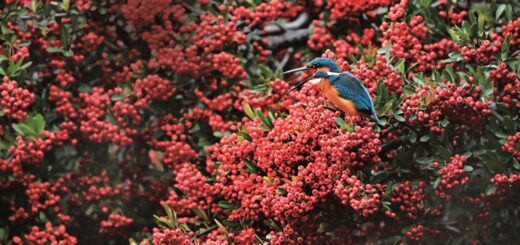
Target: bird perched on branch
column 343, row 89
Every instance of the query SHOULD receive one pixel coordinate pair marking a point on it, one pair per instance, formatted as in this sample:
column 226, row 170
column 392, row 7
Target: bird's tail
column 374, row 114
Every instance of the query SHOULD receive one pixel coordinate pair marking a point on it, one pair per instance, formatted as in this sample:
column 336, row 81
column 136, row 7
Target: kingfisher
column 343, row 89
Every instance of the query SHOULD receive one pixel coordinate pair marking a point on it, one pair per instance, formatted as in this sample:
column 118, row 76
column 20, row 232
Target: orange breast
column 332, row 94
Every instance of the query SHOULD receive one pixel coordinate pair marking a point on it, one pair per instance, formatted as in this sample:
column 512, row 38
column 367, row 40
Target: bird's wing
column 349, row 87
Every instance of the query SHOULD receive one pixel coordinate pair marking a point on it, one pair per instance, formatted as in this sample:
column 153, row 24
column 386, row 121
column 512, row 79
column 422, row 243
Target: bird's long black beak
column 296, row 70
column 300, row 83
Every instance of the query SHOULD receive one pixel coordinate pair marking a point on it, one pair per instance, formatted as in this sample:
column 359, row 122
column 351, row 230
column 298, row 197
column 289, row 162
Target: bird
column 341, row 88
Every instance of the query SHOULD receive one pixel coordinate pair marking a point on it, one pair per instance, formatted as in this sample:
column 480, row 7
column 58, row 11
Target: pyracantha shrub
column 168, row 122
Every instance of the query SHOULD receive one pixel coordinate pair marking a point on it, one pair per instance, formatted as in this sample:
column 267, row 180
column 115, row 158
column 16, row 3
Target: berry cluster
column 152, row 87
column 50, row 235
column 428, row 106
column 482, row 53
column 452, row 175
column 513, row 145
column 409, row 199
column 507, row 85
column 15, row 100
column 114, row 224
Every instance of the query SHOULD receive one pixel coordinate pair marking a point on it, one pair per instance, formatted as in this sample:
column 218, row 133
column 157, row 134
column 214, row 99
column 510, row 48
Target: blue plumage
column 349, row 87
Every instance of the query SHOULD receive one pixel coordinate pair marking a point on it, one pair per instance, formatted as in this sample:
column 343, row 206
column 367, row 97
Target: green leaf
column 399, row 118
column 468, row 168
column 163, row 221
column 281, row 191
column 504, row 48
column 444, row 123
column 249, row 112
column 425, row 3
column 2, row 234
column 230, row 223
column 400, row 66
column 413, row 137
column 245, row 135
column 449, row 74
column 271, row 223
column 54, row 50
column 481, row 22
column 419, row 79
column 112, row 119
column 84, row 88
column 266, row 121
column 265, row 71
column 42, row 216
column 172, row 216
column 34, row 5
column 436, row 3
column 65, row 5
column 23, row 44
column 500, row 135
column 26, row 65
column 64, row 36
column 222, row 227
column 39, row 124
column 386, row 107
column 17, row 129
column 467, row 154
column 68, row 53
column 220, row 134
column 251, row 166
column 341, row 122
column 132, row 241
column 454, row 35
column 454, row 57
column 4, row 146
column 424, row 160
column 201, row 214
column 228, row 205
column 268, row 180
column 466, row 26
column 490, row 190
column 437, row 183
column 516, row 164
column 117, row 97
column 29, row 131
column 270, row 114
column 382, row 11
column 425, row 138
column 509, row 12
column 500, row 10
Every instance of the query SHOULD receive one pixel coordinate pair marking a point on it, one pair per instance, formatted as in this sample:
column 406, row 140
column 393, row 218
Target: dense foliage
column 167, row 122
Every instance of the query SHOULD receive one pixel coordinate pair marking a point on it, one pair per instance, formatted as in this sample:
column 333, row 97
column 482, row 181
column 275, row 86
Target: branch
column 287, row 34
column 393, row 144
column 288, row 39
column 399, row 141
column 301, row 21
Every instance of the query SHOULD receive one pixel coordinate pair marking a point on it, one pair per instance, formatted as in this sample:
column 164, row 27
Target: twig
column 393, row 144
column 285, row 58
column 210, row 229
